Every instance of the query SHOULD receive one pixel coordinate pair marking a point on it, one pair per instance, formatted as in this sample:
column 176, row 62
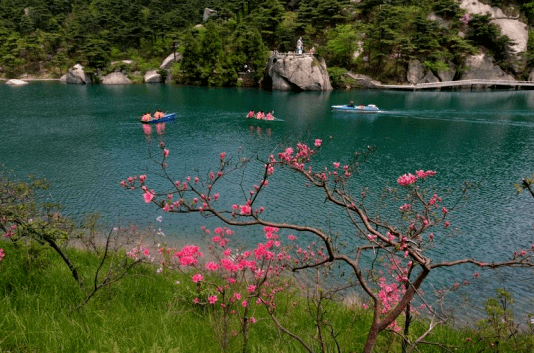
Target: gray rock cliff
column 483, row 67
column 287, row 71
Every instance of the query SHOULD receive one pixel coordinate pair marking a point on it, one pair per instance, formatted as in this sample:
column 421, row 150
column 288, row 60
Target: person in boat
column 351, row 104
column 269, row 116
column 250, row 114
column 158, row 114
column 260, row 115
column 146, row 117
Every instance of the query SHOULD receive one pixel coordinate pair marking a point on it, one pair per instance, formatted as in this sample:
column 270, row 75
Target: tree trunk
column 72, row 269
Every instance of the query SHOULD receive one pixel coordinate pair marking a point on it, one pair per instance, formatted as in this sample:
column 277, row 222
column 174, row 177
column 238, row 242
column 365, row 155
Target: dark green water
column 85, row 139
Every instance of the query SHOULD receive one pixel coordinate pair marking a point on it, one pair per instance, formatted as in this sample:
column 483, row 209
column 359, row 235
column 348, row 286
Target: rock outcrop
column 516, row 30
column 208, row 13
column 77, row 75
column 116, row 78
column 512, row 27
column 169, row 60
column 484, row 68
column 415, row 72
column 429, row 78
column 288, row 71
column 418, row 74
column 15, row 82
column 447, row 75
column 63, row 79
column 363, row 81
column 152, row 76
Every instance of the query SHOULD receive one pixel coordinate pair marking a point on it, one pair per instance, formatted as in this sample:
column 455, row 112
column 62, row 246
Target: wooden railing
column 470, row 83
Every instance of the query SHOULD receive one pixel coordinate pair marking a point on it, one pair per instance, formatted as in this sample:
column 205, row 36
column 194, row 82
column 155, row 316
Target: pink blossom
column 475, row 275
column 165, row 152
column 244, row 303
column 197, row 278
column 318, row 142
column 406, row 179
column 237, row 295
column 245, row 209
column 148, row 196
column 253, row 320
column 406, row 207
column 212, row 299
column 212, row 266
column 447, row 224
column 251, row 288
column 196, row 301
column 223, row 154
column 142, row 178
column 336, row 164
column 2, row 254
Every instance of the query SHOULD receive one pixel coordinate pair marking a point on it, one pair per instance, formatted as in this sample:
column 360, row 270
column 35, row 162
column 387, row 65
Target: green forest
column 46, row 37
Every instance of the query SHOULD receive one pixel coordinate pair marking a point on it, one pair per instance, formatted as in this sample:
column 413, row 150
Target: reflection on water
column 147, row 129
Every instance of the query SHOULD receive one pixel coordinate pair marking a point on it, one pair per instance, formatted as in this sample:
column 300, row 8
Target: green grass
column 146, row 312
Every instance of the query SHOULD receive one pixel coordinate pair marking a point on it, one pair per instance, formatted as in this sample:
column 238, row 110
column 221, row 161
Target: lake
column 86, row 139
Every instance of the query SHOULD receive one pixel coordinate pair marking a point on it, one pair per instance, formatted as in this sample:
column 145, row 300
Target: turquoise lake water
column 86, row 139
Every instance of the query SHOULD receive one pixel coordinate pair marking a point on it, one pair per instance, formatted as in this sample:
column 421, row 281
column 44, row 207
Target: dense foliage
column 49, row 36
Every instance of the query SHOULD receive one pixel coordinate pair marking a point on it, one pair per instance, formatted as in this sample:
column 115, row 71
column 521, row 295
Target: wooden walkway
column 472, row 85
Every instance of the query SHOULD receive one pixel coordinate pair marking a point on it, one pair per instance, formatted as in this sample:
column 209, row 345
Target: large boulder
column 15, row 82
column 152, row 76
column 448, row 74
column 63, row 79
column 77, row 75
column 364, row 81
column 429, row 78
column 483, row 67
column 116, row 78
column 415, row 72
column 169, row 60
column 297, row 73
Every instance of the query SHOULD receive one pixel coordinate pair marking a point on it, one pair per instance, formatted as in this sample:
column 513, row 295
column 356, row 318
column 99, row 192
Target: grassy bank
column 149, row 312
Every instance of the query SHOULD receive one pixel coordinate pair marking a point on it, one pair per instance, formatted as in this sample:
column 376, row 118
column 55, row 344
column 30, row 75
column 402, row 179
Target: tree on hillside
column 341, row 45
column 388, row 254
column 266, row 18
column 248, row 48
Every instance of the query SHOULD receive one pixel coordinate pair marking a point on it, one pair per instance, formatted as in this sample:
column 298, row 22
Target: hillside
column 437, row 39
